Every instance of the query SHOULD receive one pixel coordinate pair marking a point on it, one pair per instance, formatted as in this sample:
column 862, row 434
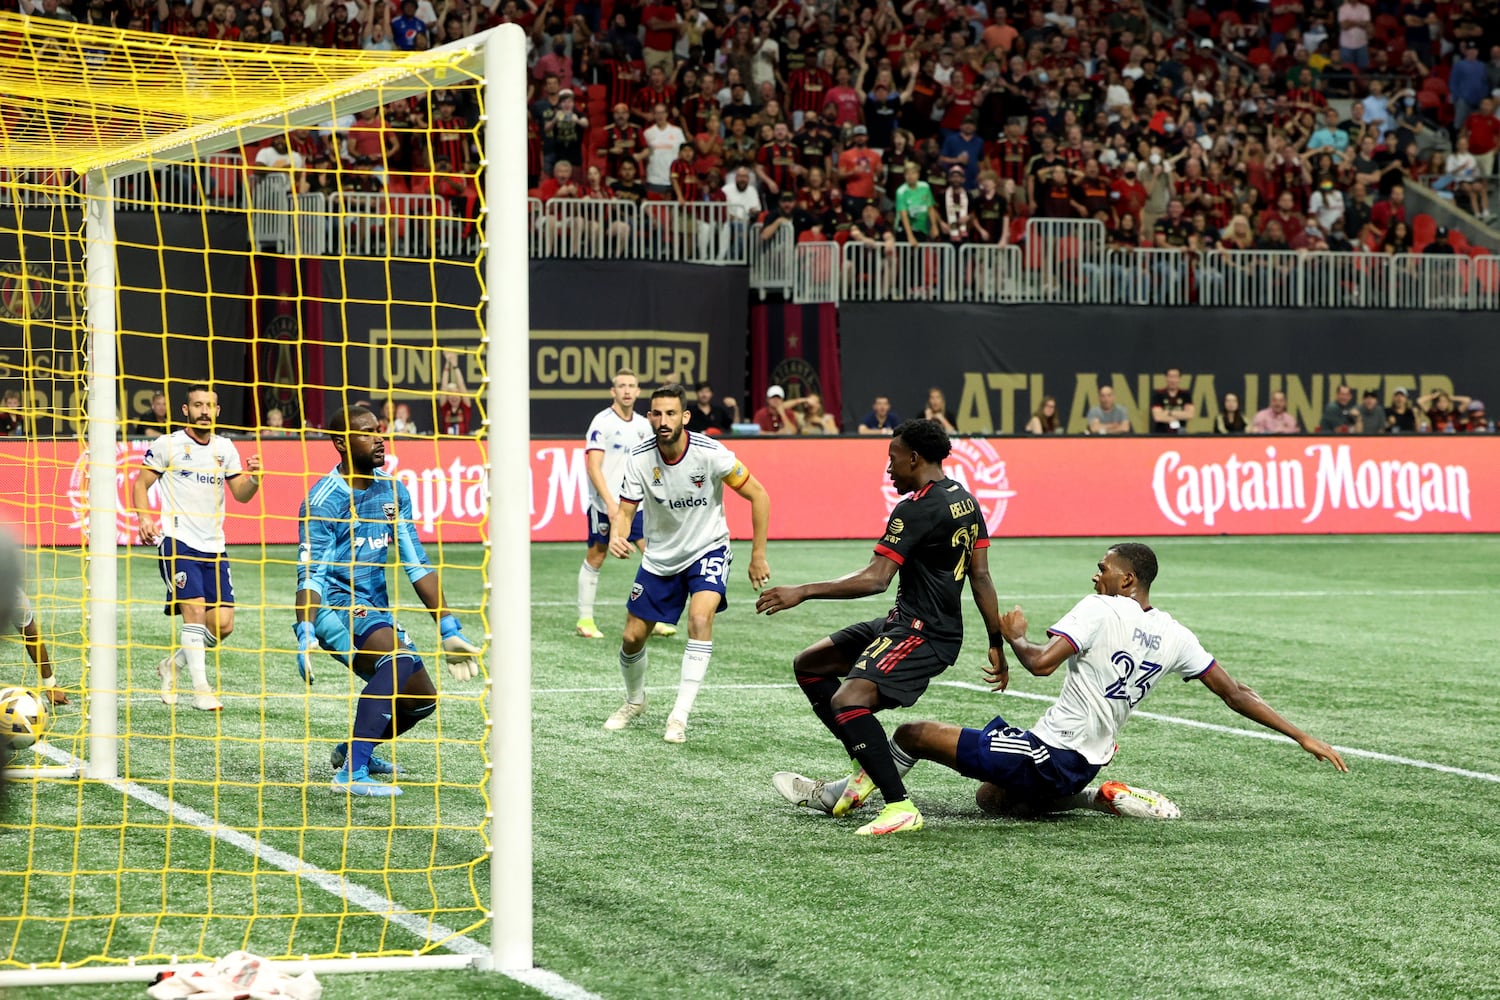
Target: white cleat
column 676, row 731
column 799, row 791
column 166, row 669
column 204, row 701
column 1137, row 803
column 624, row 715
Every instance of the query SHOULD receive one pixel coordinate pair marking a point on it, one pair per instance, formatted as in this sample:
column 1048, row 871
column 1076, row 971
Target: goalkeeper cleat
column 376, row 766
column 896, row 817
column 586, row 629
column 1137, row 803
column 166, row 669
column 360, row 783
column 204, row 701
column 664, row 630
column 624, row 715
column 856, row 792
column 676, row 731
column 799, row 791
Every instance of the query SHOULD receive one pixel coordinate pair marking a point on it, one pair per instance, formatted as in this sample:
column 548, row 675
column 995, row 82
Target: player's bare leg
column 702, row 607
column 633, row 670
column 819, row 670
column 31, row 638
column 588, row 589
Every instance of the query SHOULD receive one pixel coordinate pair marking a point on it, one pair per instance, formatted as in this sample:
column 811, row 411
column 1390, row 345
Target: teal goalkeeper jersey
column 346, row 538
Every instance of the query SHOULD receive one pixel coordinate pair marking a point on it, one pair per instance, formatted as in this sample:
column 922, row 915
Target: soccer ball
column 23, row 717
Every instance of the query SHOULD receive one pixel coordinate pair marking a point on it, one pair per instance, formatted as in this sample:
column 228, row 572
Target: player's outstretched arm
column 308, row 602
column 982, row 586
column 760, row 526
column 619, row 528
column 873, row 579
column 1038, row 660
column 1252, row 706
column 146, row 522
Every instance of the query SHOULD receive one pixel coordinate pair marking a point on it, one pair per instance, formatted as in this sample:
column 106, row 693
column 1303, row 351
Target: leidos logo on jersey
column 977, row 467
column 683, row 503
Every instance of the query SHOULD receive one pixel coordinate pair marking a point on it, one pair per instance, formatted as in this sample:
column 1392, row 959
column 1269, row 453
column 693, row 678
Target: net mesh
column 338, row 267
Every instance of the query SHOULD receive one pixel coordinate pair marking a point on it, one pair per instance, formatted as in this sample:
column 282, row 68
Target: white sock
column 179, row 658
column 633, row 666
column 588, row 589
column 904, row 761
column 194, row 639
column 694, row 668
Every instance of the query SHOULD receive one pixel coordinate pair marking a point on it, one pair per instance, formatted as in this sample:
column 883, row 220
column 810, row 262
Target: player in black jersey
column 935, row 539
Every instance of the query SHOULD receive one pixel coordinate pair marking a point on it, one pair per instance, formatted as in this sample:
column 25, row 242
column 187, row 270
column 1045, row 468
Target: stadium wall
column 995, row 364
column 161, row 291
column 837, row 487
column 588, row 318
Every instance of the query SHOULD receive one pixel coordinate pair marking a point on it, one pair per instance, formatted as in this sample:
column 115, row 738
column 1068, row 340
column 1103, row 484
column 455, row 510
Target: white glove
column 461, row 655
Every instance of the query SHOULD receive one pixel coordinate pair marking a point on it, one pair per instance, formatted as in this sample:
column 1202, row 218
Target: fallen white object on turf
column 237, row 976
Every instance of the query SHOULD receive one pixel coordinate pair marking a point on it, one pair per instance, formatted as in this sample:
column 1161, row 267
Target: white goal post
column 497, row 58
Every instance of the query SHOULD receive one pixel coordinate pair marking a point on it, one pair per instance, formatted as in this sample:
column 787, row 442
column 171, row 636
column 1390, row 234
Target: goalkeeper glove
column 460, row 653
column 307, row 638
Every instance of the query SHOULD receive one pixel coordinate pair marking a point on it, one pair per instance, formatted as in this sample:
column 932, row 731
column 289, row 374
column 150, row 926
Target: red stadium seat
column 1458, row 239
column 1423, row 229
column 1259, row 56
column 1476, row 252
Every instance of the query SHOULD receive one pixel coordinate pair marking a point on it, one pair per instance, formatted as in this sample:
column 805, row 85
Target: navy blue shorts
column 193, row 575
column 661, row 598
column 599, row 526
column 1028, row 769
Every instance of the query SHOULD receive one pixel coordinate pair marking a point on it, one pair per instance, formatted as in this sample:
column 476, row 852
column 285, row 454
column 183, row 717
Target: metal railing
column 773, row 261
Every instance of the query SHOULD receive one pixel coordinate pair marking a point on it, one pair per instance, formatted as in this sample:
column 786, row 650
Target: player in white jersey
column 1117, row 648
column 613, row 434
column 31, row 637
column 679, row 478
column 193, row 469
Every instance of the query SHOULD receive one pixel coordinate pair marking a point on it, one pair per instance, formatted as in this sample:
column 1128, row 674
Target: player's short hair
column 341, row 420
column 624, row 371
column 187, row 393
column 925, row 437
column 672, row 389
column 1140, row 559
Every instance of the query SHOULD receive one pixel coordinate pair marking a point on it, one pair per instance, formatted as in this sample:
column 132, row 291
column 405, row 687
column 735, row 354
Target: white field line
column 545, row 982
column 1254, row 734
column 1165, row 596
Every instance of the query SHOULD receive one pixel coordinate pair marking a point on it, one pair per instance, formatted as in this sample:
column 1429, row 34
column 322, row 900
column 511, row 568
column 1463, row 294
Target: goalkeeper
column 352, row 519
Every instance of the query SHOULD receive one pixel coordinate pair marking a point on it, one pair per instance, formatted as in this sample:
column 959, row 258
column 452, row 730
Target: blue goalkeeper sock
column 377, row 705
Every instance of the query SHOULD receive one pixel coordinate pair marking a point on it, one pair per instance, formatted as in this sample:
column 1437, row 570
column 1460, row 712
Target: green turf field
column 676, row 871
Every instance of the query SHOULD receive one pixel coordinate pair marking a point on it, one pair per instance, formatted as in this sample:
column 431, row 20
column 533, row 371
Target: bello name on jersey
column 346, row 537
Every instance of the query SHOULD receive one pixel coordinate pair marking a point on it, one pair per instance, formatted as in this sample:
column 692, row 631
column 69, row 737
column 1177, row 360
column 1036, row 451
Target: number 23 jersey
column 1121, row 650
column 932, row 535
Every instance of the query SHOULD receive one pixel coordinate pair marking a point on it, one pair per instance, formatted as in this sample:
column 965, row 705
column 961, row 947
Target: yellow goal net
column 211, row 254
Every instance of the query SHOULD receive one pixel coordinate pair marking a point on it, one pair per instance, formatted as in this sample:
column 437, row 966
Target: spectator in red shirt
column 622, row 141
column 661, row 23
column 859, row 170
column 455, row 413
column 845, row 99
column 773, row 417
column 1393, row 209
column 807, row 90
column 562, row 183
column 1293, row 223
column 685, row 186
column 1483, row 130
column 777, row 165
column 656, row 91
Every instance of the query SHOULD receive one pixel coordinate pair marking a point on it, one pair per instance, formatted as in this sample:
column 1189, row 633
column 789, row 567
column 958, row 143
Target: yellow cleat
column 664, row 630
column 587, row 629
column 896, row 817
column 856, row 791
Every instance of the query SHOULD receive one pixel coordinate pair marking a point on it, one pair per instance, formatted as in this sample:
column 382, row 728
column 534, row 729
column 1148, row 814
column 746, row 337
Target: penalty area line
column 431, row 932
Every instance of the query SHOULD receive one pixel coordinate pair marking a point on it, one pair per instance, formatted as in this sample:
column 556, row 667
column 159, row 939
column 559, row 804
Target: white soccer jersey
column 1122, row 650
column 190, row 492
column 683, row 501
column 617, row 438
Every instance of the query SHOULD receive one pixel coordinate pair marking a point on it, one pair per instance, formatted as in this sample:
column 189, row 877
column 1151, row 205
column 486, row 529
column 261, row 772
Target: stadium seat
column 1458, row 239
column 1423, row 228
column 1259, row 56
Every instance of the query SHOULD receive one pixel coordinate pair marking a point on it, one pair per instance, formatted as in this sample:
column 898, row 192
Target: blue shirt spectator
column 965, row 140
column 1468, row 83
column 406, row 28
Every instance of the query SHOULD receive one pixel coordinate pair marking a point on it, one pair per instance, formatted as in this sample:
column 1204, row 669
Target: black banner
column 665, row 321
column 185, row 290
column 996, row 364
column 402, row 330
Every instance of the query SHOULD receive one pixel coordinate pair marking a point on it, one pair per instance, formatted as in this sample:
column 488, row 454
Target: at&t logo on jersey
column 976, row 466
